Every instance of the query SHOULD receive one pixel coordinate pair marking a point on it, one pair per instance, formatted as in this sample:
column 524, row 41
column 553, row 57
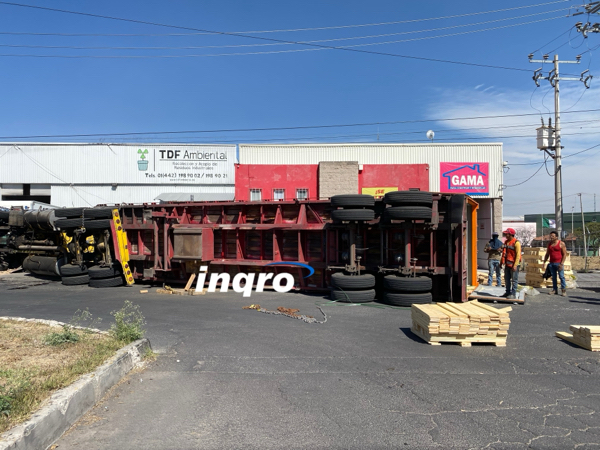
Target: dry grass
column 31, row 370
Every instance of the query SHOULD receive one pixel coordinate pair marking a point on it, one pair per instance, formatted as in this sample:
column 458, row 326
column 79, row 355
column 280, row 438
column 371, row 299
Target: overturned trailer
column 408, row 247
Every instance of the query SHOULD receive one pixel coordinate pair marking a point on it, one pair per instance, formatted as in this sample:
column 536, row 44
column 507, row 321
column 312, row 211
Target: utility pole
column 554, row 79
column 584, row 237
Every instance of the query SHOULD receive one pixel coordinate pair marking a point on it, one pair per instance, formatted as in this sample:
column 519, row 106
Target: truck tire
column 353, row 201
column 398, row 198
column 76, row 280
column 106, row 282
column 68, row 212
column 351, row 282
column 408, row 213
column 407, row 284
column 98, row 213
column 353, row 296
column 398, row 299
column 352, row 214
column 100, row 224
column 63, row 224
column 4, row 215
column 67, row 270
column 97, row 272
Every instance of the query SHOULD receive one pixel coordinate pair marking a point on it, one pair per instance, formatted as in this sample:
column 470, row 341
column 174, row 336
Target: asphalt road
column 233, row 378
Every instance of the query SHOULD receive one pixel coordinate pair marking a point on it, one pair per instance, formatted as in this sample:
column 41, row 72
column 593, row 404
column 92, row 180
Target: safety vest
column 509, row 254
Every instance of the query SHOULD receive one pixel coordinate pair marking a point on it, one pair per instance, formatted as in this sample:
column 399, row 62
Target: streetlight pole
column 584, row 236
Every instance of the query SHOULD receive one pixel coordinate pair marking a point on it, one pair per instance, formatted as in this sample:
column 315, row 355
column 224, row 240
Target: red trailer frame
column 169, row 242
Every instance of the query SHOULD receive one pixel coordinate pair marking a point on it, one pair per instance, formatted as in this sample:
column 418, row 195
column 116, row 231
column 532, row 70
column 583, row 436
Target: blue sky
column 266, row 84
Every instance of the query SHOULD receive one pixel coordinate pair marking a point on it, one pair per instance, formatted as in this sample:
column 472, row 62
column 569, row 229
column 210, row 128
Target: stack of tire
column 408, row 205
column 356, row 207
column 106, row 276
column 406, row 291
column 89, row 218
column 74, row 274
column 351, row 288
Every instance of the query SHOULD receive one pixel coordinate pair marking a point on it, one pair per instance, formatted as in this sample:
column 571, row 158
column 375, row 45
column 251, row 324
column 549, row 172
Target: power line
column 367, row 135
column 288, row 30
column 557, row 37
column 582, row 151
column 224, row 33
column 233, row 130
column 523, row 182
column 342, row 47
column 312, row 41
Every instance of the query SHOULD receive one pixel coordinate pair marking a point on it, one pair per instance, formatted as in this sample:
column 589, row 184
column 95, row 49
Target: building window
column 302, row 194
column 255, row 195
column 278, row 194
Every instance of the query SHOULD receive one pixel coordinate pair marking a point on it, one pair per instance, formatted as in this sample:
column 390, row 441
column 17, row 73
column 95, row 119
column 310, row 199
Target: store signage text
column 469, row 178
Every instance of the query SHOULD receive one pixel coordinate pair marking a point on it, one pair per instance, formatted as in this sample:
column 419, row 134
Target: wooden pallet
column 463, row 341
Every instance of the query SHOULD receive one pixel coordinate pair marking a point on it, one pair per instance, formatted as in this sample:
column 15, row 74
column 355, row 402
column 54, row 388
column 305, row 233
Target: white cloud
column 579, row 131
column 479, row 86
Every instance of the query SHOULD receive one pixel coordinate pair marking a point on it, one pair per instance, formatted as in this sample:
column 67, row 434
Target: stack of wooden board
column 463, row 323
column 483, row 275
column 586, row 336
column 533, row 258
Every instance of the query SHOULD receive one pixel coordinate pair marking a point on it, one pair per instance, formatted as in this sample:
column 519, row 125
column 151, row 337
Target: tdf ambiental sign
column 185, row 165
column 465, row 178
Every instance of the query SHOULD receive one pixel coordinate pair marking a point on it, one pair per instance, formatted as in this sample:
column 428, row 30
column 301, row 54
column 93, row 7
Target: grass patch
column 37, row 359
column 129, row 323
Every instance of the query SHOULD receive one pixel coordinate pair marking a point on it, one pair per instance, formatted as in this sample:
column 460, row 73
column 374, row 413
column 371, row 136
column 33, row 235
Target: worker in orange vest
column 511, row 258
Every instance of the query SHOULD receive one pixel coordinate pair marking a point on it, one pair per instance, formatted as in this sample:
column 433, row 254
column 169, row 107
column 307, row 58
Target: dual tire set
column 398, row 291
column 406, row 291
column 356, row 207
column 408, row 205
column 88, row 218
column 352, row 288
column 404, row 205
column 95, row 276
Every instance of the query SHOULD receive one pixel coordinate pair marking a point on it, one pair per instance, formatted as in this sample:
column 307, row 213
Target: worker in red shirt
column 557, row 252
column 511, row 258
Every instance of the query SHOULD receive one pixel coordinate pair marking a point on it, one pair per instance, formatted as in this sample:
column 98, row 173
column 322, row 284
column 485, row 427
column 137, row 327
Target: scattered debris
column 143, row 291
column 289, row 312
column 170, row 291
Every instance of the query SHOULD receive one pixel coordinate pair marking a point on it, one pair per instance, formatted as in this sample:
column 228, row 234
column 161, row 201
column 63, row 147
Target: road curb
column 68, row 405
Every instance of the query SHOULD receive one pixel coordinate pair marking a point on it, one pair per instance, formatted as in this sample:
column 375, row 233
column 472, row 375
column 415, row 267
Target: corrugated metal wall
column 431, row 154
column 90, row 195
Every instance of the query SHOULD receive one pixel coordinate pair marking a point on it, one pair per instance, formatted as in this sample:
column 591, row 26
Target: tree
column 593, row 238
column 525, row 235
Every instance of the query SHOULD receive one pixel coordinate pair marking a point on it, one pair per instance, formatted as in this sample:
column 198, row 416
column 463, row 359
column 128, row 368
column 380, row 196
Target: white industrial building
column 90, row 174
column 67, row 174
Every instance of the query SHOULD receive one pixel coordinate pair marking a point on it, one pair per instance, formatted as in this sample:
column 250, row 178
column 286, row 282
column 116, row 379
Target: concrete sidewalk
column 231, row 378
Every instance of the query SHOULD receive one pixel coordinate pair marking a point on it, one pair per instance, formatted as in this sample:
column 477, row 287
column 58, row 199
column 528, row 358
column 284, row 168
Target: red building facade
column 286, row 182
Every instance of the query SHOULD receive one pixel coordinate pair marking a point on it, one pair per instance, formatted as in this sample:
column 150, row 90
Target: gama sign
column 466, row 178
